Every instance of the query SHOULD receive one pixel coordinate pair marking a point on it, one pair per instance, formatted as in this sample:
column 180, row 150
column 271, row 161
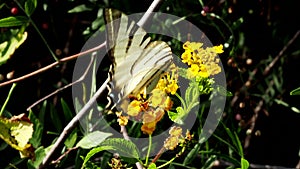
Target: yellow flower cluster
column 172, row 141
column 168, row 83
column 176, row 138
column 202, row 62
column 152, row 109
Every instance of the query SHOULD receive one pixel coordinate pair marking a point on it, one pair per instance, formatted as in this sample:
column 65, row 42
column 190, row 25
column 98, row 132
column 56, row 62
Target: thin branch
column 266, row 70
column 65, row 87
column 148, row 13
column 72, row 124
column 255, row 116
column 66, row 59
column 63, row 155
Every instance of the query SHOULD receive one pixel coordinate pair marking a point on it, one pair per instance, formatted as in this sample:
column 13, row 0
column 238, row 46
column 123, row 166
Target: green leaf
column 16, row 132
column 40, row 153
column 222, row 90
column 7, row 48
column 30, row 6
column 13, row 21
column 295, row 91
column 152, row 166
column 80, row 8
column 92, row 139
column 71, row 140
column 209, row 162
column 67, row 111
column 95, row 151
column 244, row 164
column 124, row 147
column 37, row 130
column 177, row 117
column 55, row 118
column 191, row 155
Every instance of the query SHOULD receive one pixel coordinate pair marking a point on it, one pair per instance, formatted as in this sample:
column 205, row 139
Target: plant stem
column 7, row 99
column 37, row 30
column 149, row 149
column 161, row 166
column 181, row 100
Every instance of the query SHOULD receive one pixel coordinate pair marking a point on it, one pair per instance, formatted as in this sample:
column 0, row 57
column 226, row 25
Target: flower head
column 202, row 62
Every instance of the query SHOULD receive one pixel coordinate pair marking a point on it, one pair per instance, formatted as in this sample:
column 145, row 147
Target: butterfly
column 137, row 62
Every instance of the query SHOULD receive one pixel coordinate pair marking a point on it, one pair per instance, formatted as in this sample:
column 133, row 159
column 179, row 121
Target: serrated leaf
column 13, row 21
column 92, row 139
column 30, row 6
column 80, row 8
column 95, row 151
column 124, row 147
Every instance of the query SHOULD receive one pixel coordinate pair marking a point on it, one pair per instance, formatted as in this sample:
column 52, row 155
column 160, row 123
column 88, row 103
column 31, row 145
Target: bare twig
column 255, row 116
column 63, row 155
column 66, row 59
column 266, row 70
column 73, row 123
column 68, row 85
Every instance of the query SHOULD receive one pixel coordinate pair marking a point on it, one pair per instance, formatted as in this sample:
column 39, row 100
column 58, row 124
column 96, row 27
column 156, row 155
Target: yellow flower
column 202, row 62
column 157, row 98
column 175, row 131
column 192, row 45
column 123, row 120
column 186, row 57
column 134, row 108
column 171, row 143
column 193, row 71
column 219, row 49
column 172, row 88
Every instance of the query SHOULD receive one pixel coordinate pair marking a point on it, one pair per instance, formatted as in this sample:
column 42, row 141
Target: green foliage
column 13, row 21
column 15, row 39
column 295, row 91
column 92, row 139
column 30, row 6
column 123, row 147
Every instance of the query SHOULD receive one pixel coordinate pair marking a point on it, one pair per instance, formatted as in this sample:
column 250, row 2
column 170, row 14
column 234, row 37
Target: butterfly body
column 137, row 61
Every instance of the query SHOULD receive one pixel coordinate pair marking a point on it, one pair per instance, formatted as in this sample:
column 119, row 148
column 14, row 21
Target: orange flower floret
column 134, row 108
